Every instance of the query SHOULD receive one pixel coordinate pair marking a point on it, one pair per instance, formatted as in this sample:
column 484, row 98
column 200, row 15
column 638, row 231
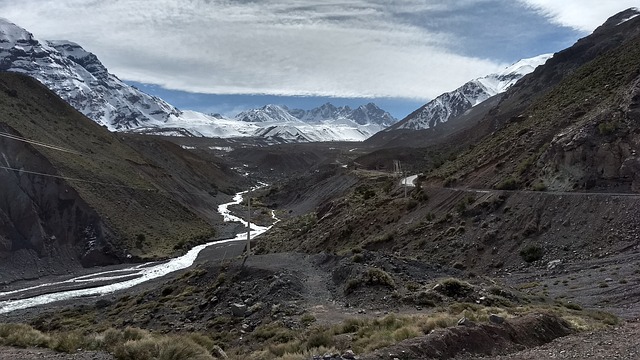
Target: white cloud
column 356, row 48
column 583, row 15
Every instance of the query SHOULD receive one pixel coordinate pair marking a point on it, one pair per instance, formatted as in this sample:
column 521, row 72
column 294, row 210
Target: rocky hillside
column 472, row 93
column 569, row 125
column 70, row 188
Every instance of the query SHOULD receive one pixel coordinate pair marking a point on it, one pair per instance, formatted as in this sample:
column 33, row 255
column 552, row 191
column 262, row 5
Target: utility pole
column 404, row 177
column 249, row 226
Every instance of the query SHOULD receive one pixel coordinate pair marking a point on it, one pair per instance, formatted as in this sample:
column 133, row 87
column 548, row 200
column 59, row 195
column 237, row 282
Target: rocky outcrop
column 43, row 221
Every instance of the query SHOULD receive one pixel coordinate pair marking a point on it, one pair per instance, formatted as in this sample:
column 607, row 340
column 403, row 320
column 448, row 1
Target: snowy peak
column 327, row 122
column 80, row 56
column 500, row 82
column 267, row 113
column 78, row 77
column 12, row 34
column 362, row 115
column 619, row 19
column 456, row 102
column 372, row 114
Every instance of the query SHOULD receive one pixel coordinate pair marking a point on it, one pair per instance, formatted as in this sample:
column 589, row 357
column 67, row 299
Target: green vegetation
column 607, row 127
column 371, row 277
column 454, row 288
column 532, row 253
column 508, row 184
column 127, row 344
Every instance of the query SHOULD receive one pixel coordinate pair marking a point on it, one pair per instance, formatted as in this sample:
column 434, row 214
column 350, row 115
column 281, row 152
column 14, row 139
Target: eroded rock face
column 45, row 226
column 600, row 150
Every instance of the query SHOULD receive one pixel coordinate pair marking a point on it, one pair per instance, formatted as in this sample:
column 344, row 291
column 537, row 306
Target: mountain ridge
column 470, row 94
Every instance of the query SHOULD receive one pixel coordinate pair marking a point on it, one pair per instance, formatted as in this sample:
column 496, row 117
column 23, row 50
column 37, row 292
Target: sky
column 224, row 56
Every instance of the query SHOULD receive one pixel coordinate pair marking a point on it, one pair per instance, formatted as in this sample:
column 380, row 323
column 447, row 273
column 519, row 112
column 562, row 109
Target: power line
column 200, row 193
column 59, row 148
column 73, row 179
column 38, row 143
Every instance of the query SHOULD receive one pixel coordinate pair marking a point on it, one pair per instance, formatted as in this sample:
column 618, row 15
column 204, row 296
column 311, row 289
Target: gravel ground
column 7, row 353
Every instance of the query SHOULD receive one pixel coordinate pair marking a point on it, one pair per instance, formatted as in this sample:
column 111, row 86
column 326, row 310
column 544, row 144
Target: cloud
column 346, row 48
column 583, row 15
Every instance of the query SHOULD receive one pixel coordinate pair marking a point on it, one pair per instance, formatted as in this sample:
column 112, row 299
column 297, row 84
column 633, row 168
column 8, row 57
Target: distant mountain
column 79, row 78
column 369, row 114
column 324, row 123
column 456, row 102
column 267, row 113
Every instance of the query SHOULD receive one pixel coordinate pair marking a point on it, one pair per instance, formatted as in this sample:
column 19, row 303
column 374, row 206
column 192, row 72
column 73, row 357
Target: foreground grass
column 276, row 340
column 126, row 344
column 364, row 335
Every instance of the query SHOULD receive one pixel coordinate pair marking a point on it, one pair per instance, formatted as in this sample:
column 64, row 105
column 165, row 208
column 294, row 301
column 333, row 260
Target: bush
column 375, row 276
column 181, row 349
column 539, row 187
column 319, row 339
column 68, row 342
column 21, row 335
column 532, row 253
column 607, row 128
column 508, row 184
column 454, row 288
column 307, row 319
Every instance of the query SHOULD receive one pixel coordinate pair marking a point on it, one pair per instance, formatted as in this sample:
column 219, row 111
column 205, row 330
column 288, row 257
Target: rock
column 218, row 353
column 349, row 355
column 465, row 322
column 496, row 319
column 553, row 264
column 239, row 310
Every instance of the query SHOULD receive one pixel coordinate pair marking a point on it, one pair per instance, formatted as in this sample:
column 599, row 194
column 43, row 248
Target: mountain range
column 79, row 77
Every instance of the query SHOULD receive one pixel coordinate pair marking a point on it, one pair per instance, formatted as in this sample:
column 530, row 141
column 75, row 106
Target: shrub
column 532, row 253
column 351, row 285
column 136, row 350
column 540, row 187
column 508, row 184
column 181, row 349
column 21, row 335
column 412, row 204
column 307, row 319
column 375, row 276
column 68, row 342
column 318, row 339
column 454, row 288
column 607, row 128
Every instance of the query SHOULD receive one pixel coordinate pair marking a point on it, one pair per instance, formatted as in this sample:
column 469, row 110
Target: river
column 124, row 278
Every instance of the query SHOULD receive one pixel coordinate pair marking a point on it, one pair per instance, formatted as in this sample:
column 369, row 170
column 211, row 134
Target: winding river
column 125, row 278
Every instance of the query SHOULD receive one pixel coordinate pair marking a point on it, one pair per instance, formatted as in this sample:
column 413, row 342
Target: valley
column 499, row 220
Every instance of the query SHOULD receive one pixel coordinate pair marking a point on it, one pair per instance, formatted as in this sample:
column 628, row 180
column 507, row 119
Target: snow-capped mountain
column 362, row 115
column 78, row 77
column 324, row 123
column 456, row 102
column 267, row 113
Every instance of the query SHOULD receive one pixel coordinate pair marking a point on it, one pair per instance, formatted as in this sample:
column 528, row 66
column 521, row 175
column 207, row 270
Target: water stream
column 127, row 277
